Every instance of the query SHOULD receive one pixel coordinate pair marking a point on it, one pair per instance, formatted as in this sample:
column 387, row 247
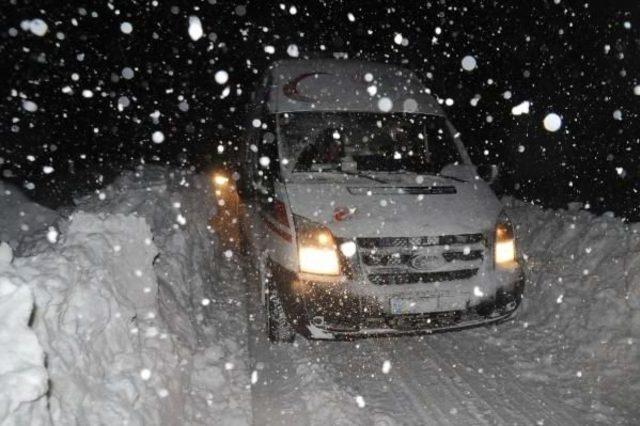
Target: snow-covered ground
column 125, row 309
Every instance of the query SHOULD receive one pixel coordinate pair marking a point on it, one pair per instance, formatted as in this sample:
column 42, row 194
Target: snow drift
column 581, row 315
column 21, row 356
column 114, row 353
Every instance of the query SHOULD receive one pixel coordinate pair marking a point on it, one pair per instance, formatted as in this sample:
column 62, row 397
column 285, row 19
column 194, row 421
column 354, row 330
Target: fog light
column 505, row 242
column 348, row 248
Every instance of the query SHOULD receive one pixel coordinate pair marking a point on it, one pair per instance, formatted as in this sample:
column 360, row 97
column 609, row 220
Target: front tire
column 278, row 327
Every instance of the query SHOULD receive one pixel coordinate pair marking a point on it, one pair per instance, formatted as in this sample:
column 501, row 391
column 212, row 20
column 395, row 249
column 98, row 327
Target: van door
column 271, row 198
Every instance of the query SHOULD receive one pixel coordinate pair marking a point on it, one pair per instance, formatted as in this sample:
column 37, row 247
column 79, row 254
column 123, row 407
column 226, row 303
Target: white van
column 364, row 210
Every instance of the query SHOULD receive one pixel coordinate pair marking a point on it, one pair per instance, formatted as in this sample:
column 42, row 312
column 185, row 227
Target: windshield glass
column 355, row 141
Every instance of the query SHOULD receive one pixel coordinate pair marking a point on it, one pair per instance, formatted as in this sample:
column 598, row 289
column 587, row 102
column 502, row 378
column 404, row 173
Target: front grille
column 401, row 259
column 421, row 277
column 414, row 260
column 410, row 242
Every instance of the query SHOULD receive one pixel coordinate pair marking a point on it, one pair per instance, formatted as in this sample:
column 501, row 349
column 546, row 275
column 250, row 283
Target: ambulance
column 363, row 211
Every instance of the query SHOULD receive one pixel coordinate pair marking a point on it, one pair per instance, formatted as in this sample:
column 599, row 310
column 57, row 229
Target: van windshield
column 350, row 141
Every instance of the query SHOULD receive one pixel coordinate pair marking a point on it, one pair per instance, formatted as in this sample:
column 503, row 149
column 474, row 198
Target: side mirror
column 488, row 172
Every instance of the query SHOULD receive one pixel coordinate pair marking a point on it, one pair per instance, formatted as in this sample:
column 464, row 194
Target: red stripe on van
column 279, row 232
column 280, row 213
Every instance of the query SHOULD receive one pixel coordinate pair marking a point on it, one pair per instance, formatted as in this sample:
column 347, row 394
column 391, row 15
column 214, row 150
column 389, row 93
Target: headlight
column 505, row 244
column 317, row 251
column 220, row 179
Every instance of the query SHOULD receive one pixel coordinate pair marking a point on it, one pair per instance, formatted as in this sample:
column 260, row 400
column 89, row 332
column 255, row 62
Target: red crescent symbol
column 291, row 88
column 341, row 213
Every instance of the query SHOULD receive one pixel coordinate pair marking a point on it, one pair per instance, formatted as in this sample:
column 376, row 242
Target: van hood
column 356, row 207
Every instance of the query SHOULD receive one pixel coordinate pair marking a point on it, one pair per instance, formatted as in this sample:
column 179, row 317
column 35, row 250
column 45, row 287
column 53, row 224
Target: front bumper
column 324, row 311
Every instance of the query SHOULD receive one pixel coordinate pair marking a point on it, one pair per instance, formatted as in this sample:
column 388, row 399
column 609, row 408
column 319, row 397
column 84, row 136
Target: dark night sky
column 577, row 59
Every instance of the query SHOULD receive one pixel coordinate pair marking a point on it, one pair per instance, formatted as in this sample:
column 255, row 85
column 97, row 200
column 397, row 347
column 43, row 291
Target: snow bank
column 177, row 208
column 21, row 357
column 119, row 313
column 96, row 317
column 200, row 305
column 582, row 304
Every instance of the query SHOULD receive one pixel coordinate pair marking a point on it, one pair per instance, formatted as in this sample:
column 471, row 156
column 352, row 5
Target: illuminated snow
column 469, row 63
column 385, row 104
column 552, row 122
column 264, row 161
column 617, row 115
column 52, row 235
column 195, row 28
column 30, row 106
column 521, row 108
column 37, row 26
column 157, row 137
column 221, row 77
column 127, row 73
column 292, row 50
column 145, row 374
column 126, row 27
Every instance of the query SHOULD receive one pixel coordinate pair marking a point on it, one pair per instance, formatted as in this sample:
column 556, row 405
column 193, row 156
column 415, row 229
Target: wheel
column 278, row 327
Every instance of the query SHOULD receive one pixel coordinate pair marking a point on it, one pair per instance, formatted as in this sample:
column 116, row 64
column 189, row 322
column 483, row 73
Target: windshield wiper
column 430, row 174
column 359, row 174
column 452, row 178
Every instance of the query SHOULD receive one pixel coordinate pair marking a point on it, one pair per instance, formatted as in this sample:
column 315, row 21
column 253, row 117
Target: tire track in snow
column 511, row 399
column 275, row 399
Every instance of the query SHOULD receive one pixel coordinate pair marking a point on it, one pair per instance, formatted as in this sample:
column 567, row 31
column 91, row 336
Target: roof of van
column 346, row 85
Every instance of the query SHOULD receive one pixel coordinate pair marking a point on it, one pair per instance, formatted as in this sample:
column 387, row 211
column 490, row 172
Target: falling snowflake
column 292, row 50
column 157, row 137
column 552, row 122
column 30, row 106
column 521, row 108
column 52, row 235
column 126, row 27
column 145, row 374
column 385, row 104
column 221, row 77
column 469, row 63
column 195, row 28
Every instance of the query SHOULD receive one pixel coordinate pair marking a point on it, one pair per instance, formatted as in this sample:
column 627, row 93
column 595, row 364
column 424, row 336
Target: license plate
column 422, row 305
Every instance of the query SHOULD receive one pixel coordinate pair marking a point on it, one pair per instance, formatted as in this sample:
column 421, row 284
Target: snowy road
column 443, row 379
